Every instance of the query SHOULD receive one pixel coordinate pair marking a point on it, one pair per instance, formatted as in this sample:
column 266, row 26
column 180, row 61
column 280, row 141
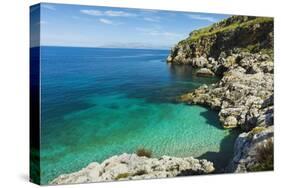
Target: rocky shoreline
column 243, row 58
column 243, row 96
column 134, row 167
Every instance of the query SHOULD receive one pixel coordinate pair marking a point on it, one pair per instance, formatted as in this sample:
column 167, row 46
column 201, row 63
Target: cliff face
column 253, row 151
column 240, row 51
column 232, row 35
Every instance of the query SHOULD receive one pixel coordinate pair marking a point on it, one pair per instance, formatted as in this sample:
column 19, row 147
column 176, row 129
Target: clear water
column 97, row 103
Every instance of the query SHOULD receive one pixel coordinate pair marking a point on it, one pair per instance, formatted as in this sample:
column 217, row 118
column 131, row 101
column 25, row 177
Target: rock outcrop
column 253, row 151
column 240, row 51
column 244, row 97
column 232, row 35
column 205, row 72
column 132, row 167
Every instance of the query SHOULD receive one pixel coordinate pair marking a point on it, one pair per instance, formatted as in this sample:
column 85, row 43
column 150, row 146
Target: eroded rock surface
column 131, row 166
column 243, row 97
column 205, row 72
column 253, row 151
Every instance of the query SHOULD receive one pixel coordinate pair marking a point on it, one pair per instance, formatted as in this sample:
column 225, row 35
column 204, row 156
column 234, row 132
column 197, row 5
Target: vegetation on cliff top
column 247, row 33
column 142, row 152
column 223, row 27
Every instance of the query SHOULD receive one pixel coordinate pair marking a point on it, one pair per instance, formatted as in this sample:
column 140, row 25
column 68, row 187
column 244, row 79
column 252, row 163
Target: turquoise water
column 97, row 103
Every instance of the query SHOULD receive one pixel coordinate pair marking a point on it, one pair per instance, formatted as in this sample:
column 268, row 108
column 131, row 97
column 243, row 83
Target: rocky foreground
column 133, row 167
column 240, row 51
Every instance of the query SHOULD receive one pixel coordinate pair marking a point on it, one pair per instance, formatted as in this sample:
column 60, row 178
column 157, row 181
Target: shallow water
column 97, row 103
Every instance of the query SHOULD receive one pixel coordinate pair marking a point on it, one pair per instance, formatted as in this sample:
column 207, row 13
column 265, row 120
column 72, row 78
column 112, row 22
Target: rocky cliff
column 240, row 51
column 232, row 35
column 132, row 167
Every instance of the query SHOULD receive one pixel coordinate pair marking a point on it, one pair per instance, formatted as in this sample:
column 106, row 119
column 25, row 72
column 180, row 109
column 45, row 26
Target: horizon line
column 100, row 47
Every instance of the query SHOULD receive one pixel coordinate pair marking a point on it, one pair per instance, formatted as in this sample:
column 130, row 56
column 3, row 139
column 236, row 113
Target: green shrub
column 256, row 130
column 142, row 152
column 211, row 30
column 122, row 175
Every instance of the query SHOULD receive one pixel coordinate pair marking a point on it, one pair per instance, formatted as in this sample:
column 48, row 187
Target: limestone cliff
column 232, row 35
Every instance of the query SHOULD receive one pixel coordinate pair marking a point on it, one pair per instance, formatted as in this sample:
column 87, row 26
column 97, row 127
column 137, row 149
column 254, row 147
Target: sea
column 101, row 102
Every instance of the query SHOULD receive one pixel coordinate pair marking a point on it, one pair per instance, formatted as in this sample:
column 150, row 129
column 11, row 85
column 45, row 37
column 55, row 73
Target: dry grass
column 122, row 175
column 265, row 156
column 256, row 130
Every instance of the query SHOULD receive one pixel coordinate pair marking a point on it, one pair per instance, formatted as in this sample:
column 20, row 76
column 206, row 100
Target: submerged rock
column 205, row 72
column 131, row 167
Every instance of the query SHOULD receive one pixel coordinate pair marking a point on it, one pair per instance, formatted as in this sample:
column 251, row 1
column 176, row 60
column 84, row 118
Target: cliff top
column 228, row 24
column 249, row 33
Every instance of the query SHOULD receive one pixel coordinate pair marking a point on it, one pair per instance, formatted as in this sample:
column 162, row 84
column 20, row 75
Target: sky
column 95, row 26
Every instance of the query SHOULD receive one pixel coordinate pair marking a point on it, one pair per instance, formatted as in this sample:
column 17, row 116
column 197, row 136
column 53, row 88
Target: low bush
column 122, row 175
column 142, row 152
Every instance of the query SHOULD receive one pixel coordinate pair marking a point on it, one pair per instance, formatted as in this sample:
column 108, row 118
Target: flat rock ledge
column 133, row 167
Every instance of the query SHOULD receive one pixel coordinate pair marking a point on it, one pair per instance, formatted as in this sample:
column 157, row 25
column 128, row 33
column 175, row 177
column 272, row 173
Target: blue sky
column 93, row 26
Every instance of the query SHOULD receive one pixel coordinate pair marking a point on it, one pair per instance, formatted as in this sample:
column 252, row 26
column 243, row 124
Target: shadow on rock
column 222, row 158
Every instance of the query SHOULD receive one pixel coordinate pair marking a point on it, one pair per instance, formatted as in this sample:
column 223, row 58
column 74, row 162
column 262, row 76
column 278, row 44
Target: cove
column 97, row 103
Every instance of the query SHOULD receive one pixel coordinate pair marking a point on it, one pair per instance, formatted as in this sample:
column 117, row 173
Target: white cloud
column 109, row 13
column 201, row 17
column 156, row 32
column 167, row 34
column 151, row 19
column 109, row 22
column 118, row 14
column 92, row 12
column 49, row 7
column 105, row 21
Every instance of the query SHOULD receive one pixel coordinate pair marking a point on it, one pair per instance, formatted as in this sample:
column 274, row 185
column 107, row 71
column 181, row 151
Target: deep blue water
column 97, row 102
